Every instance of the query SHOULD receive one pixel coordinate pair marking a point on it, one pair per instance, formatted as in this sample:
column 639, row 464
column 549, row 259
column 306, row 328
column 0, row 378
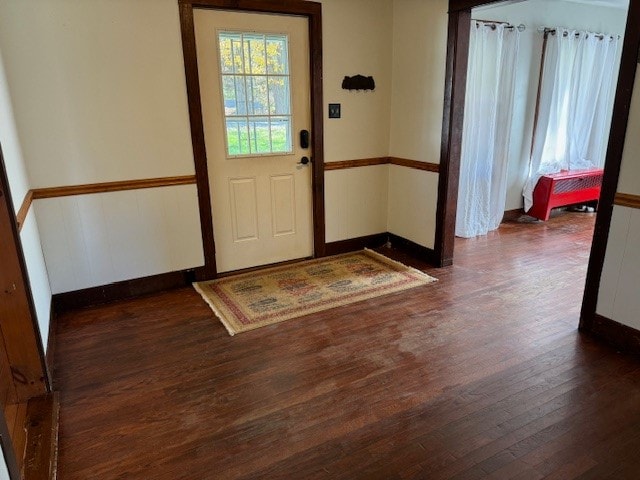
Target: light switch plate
column 334, row 110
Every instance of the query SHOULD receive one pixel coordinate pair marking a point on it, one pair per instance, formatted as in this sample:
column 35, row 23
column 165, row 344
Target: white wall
column 356, row 40
column 618, row 296
column 402, row 43
column 534, row 14
column 413, row 197
column 19, row 185
column 356, row 202
column 99, row 95
column 98, row 87
column 88, row 239
column 419, row 58
column 4, row 471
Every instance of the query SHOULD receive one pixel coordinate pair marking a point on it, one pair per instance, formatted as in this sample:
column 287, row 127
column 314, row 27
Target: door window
column 254, row 70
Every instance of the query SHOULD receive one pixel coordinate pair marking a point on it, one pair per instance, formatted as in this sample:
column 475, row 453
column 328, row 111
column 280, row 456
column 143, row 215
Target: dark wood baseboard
column 353, row 244
column 512, row 215
column 621, row 337
column 41, row 453
column 87, row 297
column 421, row 252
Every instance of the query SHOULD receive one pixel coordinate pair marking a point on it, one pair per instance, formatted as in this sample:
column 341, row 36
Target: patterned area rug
column 256, row 299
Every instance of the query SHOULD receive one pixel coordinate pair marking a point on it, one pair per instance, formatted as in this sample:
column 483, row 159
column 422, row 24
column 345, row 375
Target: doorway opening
column 455, row 88
column 539, row 98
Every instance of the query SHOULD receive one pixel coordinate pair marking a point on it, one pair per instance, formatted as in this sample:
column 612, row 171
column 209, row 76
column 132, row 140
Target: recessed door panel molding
column 244, row 209
column 254, row 76
column 283, row 205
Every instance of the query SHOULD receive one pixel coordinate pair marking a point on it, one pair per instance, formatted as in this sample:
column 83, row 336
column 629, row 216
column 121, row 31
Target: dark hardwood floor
column 481, row 375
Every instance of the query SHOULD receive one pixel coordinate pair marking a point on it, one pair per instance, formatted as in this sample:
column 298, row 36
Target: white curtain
column 575, row 98
column 488, row 110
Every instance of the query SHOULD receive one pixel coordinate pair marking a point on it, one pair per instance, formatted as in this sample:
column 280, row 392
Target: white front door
column 254, row 86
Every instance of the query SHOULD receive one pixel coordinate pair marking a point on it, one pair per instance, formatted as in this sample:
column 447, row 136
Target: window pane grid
column 256, row 93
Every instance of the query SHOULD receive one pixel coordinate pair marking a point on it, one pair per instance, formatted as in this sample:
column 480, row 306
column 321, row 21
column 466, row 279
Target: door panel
column 244, row 209
column 261, row 203
column 283, row 201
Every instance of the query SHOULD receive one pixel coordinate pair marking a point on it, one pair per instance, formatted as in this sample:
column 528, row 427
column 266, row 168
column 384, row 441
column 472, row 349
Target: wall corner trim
column 368, row 162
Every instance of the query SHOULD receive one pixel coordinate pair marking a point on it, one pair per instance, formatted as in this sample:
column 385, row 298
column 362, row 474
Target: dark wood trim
column 512, row 215
column 20, row 330
column 613, row 161
column 355, row 244
column 311, row 10
column 378, row 240
column 361, row 162
column 42, row 437
column 291, row 7
column 621, row 337
column 21, row 216
column 627, row 200
column 418, row 251
column 88, row 297
column 415, row 164
column 91, row 188
column 457, row 5
column 452, row 122
column 314, row 14
column 367, row 162
column 197, row 140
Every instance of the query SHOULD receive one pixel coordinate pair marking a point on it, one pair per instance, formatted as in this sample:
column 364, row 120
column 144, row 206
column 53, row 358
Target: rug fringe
column 384, row 258
column 213, row 307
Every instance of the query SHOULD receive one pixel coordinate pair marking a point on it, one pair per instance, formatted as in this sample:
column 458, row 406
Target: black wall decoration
column 358, row 82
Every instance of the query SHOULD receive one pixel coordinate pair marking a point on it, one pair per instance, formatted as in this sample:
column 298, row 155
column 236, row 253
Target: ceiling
column 617, row 4
column 603, row 3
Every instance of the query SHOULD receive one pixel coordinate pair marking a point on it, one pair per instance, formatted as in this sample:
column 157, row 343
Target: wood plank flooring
column 481, row 375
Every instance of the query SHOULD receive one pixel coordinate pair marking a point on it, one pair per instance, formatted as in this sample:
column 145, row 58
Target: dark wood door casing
column 18, row 321
column 23, row 370
column 311, row 10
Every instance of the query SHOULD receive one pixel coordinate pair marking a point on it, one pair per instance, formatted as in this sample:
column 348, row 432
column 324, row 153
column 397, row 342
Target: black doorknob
column 304, row 161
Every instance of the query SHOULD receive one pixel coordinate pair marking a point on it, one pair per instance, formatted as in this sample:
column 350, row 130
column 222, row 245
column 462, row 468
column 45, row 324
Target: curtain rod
column 552, row 31
column 521, row 28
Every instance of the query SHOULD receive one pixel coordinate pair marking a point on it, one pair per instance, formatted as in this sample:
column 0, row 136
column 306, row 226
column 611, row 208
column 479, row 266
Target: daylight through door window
column 255, row 89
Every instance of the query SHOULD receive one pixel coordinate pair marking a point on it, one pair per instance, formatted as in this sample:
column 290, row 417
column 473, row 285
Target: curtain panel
column 575, row 98
column 482, row 190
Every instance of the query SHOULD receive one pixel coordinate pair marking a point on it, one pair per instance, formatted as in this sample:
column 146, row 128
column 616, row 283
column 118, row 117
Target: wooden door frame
column 29, row 365
column 20, row 331
column 455, row 84
column 303, row 8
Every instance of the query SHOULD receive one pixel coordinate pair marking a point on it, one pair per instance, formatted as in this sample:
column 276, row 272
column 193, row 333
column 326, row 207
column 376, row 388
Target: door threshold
column 263, row 267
